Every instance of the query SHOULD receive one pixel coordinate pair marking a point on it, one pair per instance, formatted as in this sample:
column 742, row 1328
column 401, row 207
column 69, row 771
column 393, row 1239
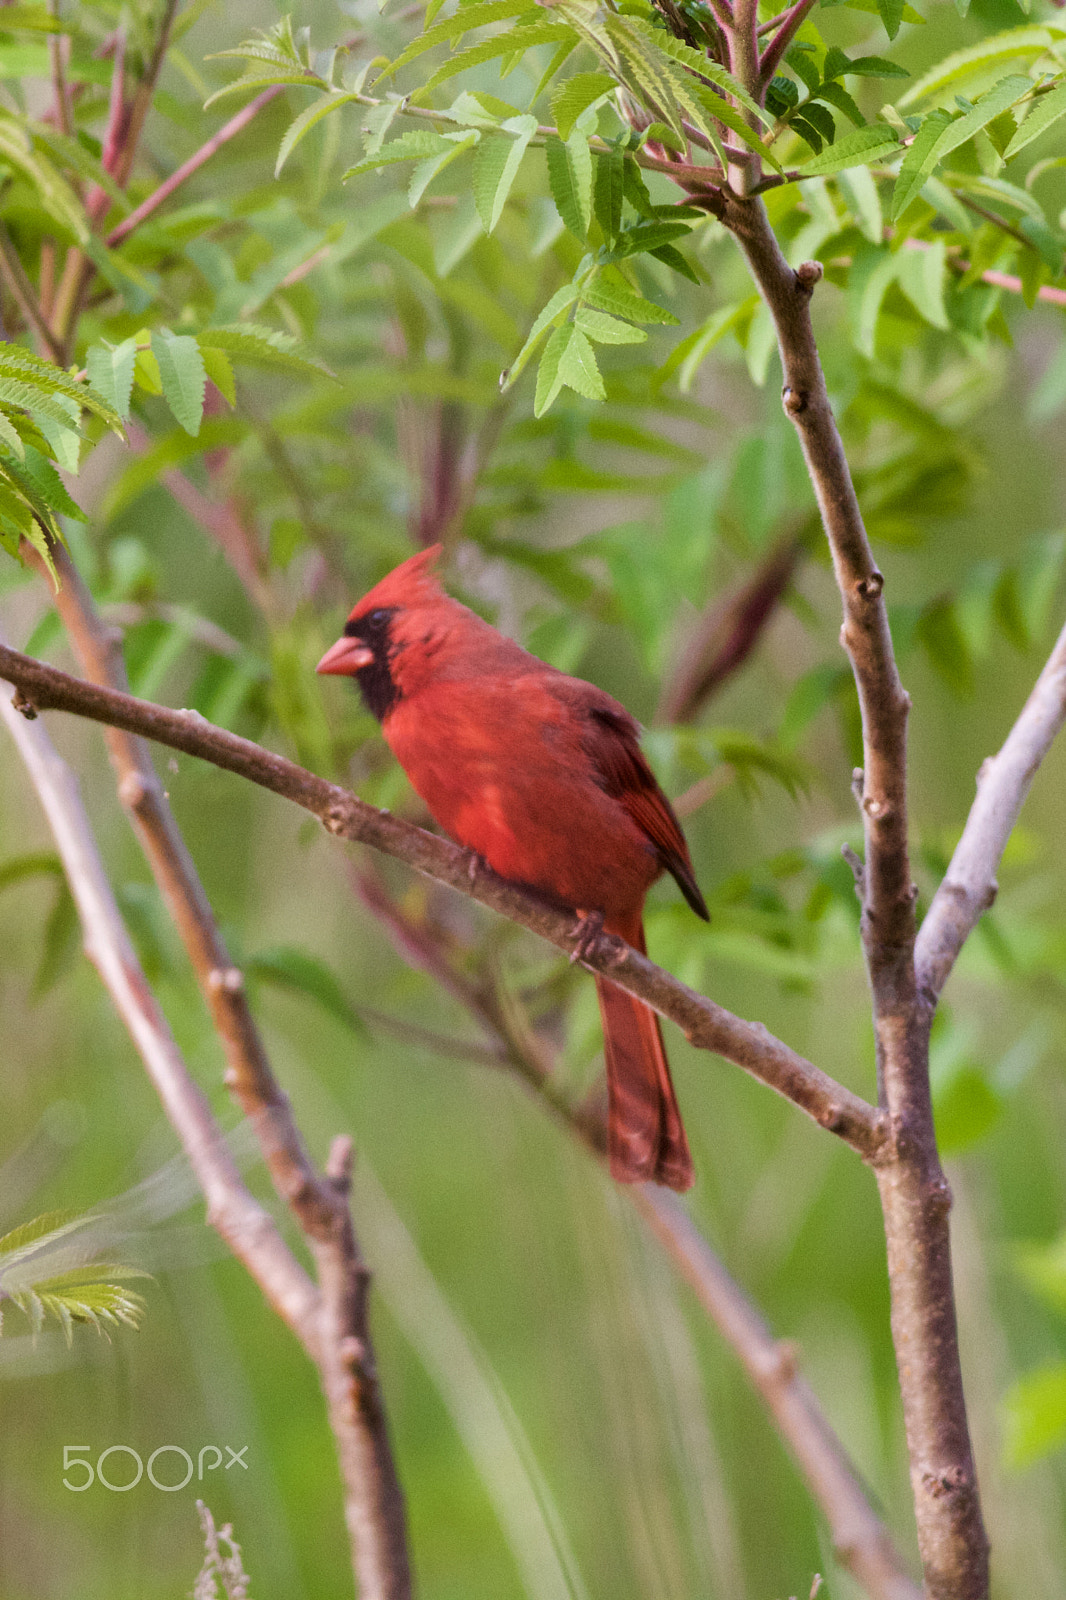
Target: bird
column 541, row 776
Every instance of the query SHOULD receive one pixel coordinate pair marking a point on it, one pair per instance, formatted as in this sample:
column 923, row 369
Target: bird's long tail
column 645, row 1137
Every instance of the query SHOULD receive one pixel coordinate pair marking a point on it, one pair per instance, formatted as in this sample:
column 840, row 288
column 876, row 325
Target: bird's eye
column 377, row 619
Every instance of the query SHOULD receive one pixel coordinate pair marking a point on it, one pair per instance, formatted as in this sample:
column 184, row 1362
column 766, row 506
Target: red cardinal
column 542, row 776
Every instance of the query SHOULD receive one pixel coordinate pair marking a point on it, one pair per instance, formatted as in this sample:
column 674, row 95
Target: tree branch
column 374, row 1504
column 248, row 1230
column 707, row 1026
column 915, row 1197
column 969, row 885
column 860, row 1539
column 727, row 634
column 182, row 174
column 774, row 54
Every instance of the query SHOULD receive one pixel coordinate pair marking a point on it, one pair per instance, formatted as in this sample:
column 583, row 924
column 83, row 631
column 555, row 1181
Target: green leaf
column 861, row 193
column 308, row 119
column 549, row 381
column 24, row 368
column 918, row 162
column 573, row 200
column 262, row 347
column 608, row 191
column 496, row 163
column 455, row 144
column 608, row 330
column 875, row 67
column 858, row 149
column 415, row 145
column 452, row 28
column 220, row 372
column 675, row 261
column 513, row 42
column 110, row 371
column 181, row 372
column 921, row 275
column 36, row 863
column 578, row 368
column 573, row 96
column 1035, row 1416
column 891, row 13
column 286, row 967
column 43, row 487
column 979, row 58
column 612, row 296
column 560, row 302
column 1046, row 109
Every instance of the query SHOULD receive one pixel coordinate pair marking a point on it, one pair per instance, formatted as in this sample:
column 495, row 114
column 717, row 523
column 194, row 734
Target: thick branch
column 915, row 1196
column 706, row 1025
column 969, row 885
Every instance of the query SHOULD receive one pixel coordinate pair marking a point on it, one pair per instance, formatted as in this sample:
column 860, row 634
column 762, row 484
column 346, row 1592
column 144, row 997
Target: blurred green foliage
column 310, row 374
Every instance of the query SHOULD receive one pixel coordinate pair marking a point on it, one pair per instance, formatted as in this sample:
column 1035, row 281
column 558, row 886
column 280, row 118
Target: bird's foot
column 475, row 866
column 588, row 932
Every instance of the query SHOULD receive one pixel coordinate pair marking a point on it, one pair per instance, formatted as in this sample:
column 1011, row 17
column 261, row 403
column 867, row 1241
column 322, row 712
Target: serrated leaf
column 263, row 347
column 65, row 442
column 648, row 236
column 462, row 21
column 891, row 14
column 858, row 149
column 110, row 371
column 575, row 95
column 560, row 302
column 672, row 258
column 496, row 163
column 36, row 475
column 563, row 182
column 875, row 67
column 549, row 381
column 514, row 42
column 10, row 436
column 1009, row 45
column 181, row 372
column 266, row 80
column 578, row 368
column 839, row 97
column 607, row 193
column 25, row 368
column 286, row 967
column 862, row 195
column 309, row 118
column 918, row 162
column 454, row 146
column 622, row 302
column 608, row 330
column 415, row 145
column 1046, row 110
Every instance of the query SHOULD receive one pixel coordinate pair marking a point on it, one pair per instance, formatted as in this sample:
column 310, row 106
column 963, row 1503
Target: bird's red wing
column 611, row 743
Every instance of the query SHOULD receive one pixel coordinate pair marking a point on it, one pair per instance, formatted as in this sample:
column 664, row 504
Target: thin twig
column 968, row 887
column 860, row 1539
column 26, row 297
column 374, row 1504
column 727, row 634
column 183, row 173
column 772, row 56
column 248, row 1229
column 707, row 1026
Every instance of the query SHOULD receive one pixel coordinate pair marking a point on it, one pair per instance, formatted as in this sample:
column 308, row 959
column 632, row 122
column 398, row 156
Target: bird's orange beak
column 345, row 658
